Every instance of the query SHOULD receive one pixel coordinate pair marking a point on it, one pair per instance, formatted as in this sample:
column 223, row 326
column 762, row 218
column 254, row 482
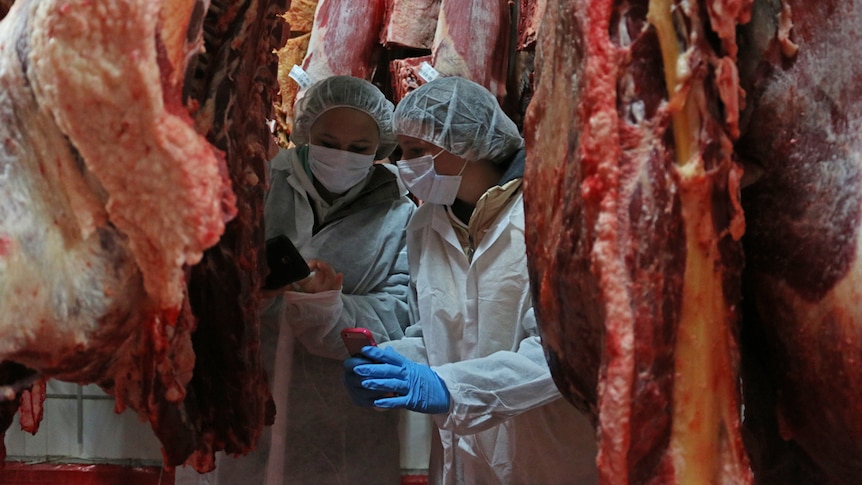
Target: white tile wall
column 116, row 436
column 80, row 424
column 62, row 388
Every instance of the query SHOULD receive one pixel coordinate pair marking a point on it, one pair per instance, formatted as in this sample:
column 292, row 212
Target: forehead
column 408, row 142
column 346, row 124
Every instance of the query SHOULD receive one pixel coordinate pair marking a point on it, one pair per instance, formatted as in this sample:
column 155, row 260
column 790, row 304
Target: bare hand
column 323, row 278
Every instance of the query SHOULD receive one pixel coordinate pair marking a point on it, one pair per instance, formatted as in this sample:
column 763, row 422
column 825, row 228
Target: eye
column 359, row 149
column 328, row 144
column 414, row 152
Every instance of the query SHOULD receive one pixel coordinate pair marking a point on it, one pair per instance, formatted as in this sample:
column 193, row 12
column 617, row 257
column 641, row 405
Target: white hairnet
column 344, row 92
column 459, row 116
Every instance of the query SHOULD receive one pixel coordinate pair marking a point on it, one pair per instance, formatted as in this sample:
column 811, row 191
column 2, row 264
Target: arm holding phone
column 357, row 340
column 385, row 379
column 378, row 301
column 317, row 309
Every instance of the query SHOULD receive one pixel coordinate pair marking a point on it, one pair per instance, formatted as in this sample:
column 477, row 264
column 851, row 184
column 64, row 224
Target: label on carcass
column 427, row 72
column 300, row 76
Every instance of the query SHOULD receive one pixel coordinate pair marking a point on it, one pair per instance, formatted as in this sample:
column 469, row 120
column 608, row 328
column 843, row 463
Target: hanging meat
column 529, row 18
column 132, row 174
column 342, row 23
column 410, row 23
column 803, row 326
column 473, row 41
column 331, row 37
column 124, row 157
column 637, row 256
column 633, row 191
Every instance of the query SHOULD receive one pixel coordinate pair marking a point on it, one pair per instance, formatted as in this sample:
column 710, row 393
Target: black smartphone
column 286, row 265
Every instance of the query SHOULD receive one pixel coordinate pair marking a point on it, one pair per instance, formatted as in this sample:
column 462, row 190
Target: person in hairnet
column 347, row 216
column 473, row 359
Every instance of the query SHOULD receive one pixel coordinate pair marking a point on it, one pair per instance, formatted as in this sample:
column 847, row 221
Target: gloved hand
column 416, row 386
column 361, row 396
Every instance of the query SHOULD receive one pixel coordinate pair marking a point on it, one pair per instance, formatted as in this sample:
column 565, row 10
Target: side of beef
column 803, row 272
column 229, row 399
column 635, row 257
column 119, row 167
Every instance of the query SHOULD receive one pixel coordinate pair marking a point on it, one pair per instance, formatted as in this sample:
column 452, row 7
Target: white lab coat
column 475, row 326
column 326, row 438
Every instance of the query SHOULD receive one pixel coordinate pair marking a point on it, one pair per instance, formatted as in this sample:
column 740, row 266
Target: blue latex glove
column 416, row 386
column 360, row 395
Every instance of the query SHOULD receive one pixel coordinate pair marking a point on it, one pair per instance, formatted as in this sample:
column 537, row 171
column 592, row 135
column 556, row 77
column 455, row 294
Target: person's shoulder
column 386, row 173
column 384, row 180
column 284, row 159
column 404, row 203
column 400, row 208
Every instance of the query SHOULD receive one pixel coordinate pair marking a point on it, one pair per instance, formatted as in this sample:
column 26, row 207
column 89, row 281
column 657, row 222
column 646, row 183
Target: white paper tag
column 300, row 76
column 427, row 72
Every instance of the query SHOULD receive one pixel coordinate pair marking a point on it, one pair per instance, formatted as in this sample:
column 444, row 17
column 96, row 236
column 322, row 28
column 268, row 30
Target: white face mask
column 419, row 176
column 338, row 170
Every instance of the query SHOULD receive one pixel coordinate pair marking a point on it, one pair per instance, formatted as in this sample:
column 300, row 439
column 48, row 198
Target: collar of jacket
column 436, row 216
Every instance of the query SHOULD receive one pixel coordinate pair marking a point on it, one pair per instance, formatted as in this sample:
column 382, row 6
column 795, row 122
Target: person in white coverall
column 347, row 216
column 473, row 359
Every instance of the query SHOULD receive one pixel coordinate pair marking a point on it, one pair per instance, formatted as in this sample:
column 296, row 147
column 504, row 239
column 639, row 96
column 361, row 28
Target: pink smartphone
column 356, row 338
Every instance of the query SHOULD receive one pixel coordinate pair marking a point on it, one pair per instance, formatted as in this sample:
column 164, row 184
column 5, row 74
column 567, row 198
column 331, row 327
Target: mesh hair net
column 341, row 92
column 459, row 116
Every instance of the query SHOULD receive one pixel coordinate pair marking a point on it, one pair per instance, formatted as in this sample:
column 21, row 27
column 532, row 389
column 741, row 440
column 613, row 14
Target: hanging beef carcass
column 233, row 87
column 410, row 23
column 342, row 39
column 113, row 182
column 529, row 18
column 635, row 258
column 337, row 25
column 473, row 41
column 803, row 277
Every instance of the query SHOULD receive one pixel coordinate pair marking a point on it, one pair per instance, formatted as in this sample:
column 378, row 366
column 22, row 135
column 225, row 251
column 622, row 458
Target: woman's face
column 346, row 129
column 444, row 164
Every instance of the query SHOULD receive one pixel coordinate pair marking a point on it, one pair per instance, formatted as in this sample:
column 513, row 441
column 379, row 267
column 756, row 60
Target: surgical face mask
column 419, row 176
column 338, row 170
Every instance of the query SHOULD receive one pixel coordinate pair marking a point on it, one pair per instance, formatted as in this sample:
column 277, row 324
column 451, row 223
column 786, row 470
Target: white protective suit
column 328, row 439
column 319, row 435
column 508, row 422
